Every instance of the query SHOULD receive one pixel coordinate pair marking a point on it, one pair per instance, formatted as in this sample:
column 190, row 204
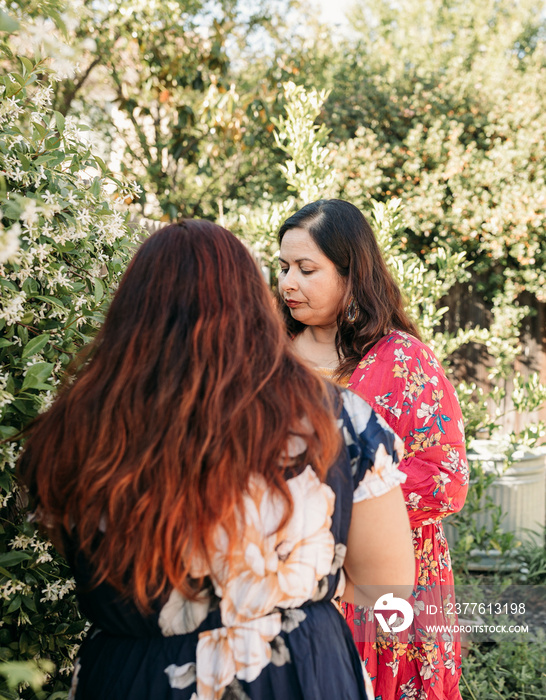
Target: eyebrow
column 299, row 260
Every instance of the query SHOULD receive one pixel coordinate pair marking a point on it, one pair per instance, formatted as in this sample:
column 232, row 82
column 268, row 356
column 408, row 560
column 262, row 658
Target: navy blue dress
column 264, row 627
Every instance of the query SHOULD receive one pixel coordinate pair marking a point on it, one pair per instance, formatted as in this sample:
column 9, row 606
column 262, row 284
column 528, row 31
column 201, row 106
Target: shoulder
column 355, row 410
column 368, row 437
column 397, row 362
column 401, row 347
column 400, row 340
column 358, row 416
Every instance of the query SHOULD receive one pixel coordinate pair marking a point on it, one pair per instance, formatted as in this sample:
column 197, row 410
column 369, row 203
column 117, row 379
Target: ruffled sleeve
column 404, row 382
column 374, row 449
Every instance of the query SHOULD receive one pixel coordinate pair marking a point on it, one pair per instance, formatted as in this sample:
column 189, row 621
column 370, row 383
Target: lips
column 291, row 303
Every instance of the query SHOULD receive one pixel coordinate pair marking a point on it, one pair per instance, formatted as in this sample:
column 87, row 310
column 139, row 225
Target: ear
column 345, row 285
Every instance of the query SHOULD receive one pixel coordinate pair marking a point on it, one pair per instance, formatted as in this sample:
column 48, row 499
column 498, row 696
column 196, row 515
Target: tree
column 160, row 86
column 439, row 102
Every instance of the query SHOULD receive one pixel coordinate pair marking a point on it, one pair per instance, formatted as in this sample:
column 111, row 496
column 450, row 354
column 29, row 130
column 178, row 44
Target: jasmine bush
column 64, row 242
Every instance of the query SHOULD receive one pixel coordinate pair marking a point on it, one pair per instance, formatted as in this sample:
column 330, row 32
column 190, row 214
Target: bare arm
column 380, row 556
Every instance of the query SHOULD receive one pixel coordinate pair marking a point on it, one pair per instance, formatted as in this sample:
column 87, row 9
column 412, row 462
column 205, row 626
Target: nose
column 287, row 282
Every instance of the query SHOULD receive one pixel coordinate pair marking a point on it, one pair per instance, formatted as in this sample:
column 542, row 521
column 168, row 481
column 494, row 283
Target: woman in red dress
column 346, row 316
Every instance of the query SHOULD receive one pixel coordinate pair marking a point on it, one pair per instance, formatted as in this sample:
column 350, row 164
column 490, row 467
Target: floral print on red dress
column 404, row 383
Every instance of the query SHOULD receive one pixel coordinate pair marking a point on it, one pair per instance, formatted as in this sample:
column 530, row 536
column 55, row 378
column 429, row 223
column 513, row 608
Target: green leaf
column 31, row 286
column 50, row 300
column 6, row 481
column 7, row 431
column 59, row 121
column 42, row 131
column 31, row 672
column 27, row 64
column 4, row 342
column 99, row 290
column 66, row 248
column 11, row 209
column 13, row 86
column 34, row 346
column 95, row 187
column 29, row 603
column 14, row 605
column 7, row 23
column 22, row 332
column 7, row 283
column 100, row 163
column 14, row 557
column 37, row 374
column 19, row 78
column 25, row 162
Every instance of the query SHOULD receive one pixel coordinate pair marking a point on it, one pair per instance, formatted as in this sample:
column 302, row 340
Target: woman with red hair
column 210, row 493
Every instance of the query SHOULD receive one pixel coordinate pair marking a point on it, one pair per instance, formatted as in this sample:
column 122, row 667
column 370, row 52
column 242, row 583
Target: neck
column 317, row 346
column 323, row 335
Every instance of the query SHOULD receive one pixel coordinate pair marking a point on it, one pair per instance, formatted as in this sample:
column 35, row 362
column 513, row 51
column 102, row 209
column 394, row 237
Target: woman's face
column 309, row 282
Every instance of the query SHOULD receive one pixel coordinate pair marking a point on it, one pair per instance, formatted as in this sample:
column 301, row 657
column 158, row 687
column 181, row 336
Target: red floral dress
column 404, row 383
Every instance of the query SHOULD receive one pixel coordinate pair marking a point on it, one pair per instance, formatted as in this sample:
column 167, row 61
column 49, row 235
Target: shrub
column 64, row 242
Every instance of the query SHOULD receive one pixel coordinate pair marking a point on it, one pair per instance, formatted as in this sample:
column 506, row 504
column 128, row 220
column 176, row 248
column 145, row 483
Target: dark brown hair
column 190, row 388
column 343, row 234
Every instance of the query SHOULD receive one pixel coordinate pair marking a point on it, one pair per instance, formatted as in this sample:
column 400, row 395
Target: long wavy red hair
column 189, row 388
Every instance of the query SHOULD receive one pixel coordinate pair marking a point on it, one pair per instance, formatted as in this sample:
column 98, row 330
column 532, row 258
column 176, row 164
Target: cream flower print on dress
column 270, row 568
column 234, row 652
column 401, row 355
column 394, row 666
column 277, row 568
column 398, row 443
column 418, row 607
column 453, row 459
column 359, row 410
column 382, row 462
column 441, row 480
column 181, row 676
column 182, row 616
column 367, row 361
column 384, row 474
column 413, row 500
column 383, row 400
column 427, row 411
column 460, row 425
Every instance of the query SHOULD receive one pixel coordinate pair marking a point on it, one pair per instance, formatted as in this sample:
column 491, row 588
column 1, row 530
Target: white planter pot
column 520, row 491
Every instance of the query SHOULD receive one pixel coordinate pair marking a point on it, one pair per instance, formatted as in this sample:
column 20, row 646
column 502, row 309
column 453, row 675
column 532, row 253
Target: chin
column 298, row 316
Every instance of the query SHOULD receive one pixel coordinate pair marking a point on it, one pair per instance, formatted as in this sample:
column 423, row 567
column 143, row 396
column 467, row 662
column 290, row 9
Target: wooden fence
column 472, row 362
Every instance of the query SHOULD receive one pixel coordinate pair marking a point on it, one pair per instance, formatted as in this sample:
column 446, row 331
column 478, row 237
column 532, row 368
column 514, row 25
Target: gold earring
column 351, row 310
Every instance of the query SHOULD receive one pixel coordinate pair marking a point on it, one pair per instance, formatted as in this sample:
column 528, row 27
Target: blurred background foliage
column 438, row 102
column 430, row 115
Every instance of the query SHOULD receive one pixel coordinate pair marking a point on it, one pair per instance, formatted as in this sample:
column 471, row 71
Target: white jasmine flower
column 13, row 106
column 43, row 96
column 13, row 309
column 9, row 242
column 30, row 213
column 21, row 542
